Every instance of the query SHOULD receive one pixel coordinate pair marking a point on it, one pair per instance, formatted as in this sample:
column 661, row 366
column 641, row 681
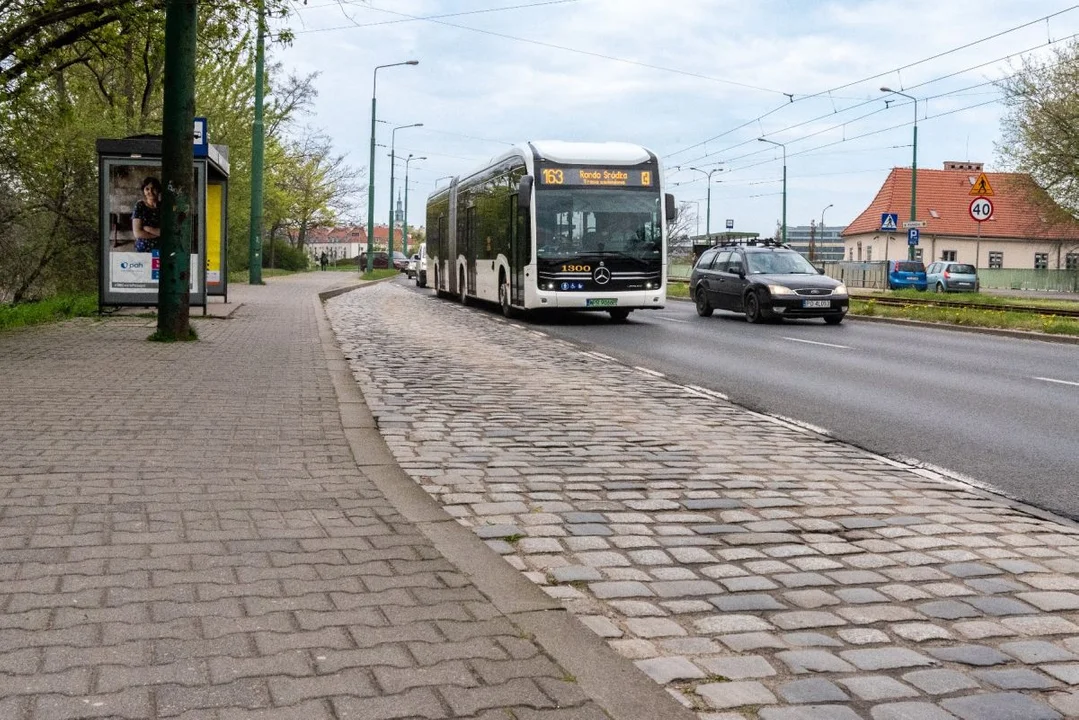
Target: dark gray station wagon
column 765, row 280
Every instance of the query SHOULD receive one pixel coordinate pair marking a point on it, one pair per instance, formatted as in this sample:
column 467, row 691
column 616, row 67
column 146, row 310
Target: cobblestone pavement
column 753, row 569
column 185, row 533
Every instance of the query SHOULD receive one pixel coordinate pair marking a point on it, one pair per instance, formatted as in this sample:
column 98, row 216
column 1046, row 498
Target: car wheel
column 619, row 315
column 504, row 300
column 939, row 288
column 753, row 308
column 704, row 308
column 833, row 319
column 421, row 280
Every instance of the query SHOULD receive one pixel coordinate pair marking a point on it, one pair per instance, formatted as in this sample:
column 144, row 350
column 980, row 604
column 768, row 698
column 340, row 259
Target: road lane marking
column 814, row 342
column 1060, row 382
column 670, row 319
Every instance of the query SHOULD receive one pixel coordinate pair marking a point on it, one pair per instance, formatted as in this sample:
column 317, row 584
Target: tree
column 1040, row 130
column 39, row 38
column 312, row 186
column 678, row 231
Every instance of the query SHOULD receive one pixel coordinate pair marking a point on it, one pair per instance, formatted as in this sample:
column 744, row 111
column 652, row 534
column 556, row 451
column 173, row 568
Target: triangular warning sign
column 888, row 223
column 981, row 187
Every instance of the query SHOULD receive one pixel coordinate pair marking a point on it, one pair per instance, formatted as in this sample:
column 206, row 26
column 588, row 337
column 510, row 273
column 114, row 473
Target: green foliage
column 281, row 254
column 60, row 307
column 1039, row 131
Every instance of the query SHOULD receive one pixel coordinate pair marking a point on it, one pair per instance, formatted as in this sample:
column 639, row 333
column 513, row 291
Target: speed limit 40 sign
column 981, row 208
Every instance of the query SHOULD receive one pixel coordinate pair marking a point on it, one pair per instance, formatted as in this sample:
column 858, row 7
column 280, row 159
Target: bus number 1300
column 576, row 268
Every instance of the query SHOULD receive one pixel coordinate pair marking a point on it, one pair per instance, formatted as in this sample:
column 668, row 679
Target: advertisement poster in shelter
column 133, row 206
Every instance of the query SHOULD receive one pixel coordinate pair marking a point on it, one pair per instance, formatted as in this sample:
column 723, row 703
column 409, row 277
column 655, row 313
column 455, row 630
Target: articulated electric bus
column 561, row 225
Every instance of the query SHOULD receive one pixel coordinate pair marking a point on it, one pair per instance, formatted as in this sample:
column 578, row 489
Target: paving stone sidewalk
column 185, row 533
column 753, row 569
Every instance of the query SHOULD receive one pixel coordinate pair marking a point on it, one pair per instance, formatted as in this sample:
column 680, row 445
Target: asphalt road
column 1000, row 412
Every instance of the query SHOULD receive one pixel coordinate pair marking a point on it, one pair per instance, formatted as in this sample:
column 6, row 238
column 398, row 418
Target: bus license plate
column 816, row 303
column 601, row 302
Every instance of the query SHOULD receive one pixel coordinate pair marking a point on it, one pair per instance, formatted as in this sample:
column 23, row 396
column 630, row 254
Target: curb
column 613, row 682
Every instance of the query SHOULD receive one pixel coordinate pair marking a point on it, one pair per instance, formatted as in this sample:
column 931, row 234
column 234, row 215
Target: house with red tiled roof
column 1018, row 234
column 347, row 241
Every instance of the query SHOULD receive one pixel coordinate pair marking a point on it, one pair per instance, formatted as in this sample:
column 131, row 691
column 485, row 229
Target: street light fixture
column 812, row 252
column 393, row 140
column 404, row 226
column 773, row 142
column 444, row 177
column 708, row 204
column 371, row 166
column 913, row 165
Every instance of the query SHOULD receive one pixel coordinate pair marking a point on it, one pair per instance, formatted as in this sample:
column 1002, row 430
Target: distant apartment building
column 816, row 245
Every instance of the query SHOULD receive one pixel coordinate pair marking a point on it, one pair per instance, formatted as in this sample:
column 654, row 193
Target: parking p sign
column 912, row 236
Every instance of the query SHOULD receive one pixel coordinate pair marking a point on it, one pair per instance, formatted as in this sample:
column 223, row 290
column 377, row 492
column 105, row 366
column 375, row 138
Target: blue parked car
column 950, row 276
column 906, row 274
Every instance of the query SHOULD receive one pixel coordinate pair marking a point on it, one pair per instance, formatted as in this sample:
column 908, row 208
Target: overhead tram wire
column 589, row 53
column 879, row 75
column 698, row 160
column 415, row 19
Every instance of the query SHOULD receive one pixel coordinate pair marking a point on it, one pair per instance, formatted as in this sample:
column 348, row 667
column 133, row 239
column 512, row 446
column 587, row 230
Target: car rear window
column 962, row 269
column 910, row 267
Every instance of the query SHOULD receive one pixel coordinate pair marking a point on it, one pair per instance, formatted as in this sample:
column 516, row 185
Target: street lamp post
column 371, row 166
column 811, row 248
column 708, row 203
column 404, row 227
column 393, row 140
column 913, row 165
column 773, row 142
column 697, row 213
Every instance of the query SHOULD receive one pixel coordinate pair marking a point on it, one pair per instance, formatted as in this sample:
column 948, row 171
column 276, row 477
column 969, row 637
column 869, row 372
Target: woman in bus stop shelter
column 146, row 217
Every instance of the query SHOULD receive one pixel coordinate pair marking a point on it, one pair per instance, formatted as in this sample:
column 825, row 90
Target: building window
column 1041, row 261
column 859, row 251
column 851, row 258
column 918, row 254
column 1071, row 261
column 869, row 254
column 947, row 255
column 996, row 260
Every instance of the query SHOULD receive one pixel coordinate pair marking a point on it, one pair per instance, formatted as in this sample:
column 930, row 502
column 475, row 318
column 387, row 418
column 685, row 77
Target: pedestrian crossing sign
column 981, row 187
column 889, row 221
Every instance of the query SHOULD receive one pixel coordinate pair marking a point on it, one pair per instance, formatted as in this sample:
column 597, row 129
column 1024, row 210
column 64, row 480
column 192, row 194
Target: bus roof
column 588, row 153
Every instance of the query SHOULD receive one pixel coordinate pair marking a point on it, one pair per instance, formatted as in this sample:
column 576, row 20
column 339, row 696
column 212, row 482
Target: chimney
column 956, row 165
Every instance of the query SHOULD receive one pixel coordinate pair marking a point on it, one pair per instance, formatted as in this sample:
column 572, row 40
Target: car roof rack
column 758, row 242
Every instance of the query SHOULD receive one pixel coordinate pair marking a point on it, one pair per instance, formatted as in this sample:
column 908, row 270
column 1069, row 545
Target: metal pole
column 177, row 181
column 393, row 142
column 371, row 185
column 784, row 194
column 371, row 166
column 254, row 240
column 822, row 229
column 773, row 142
column 913, row 166
column 404, row 227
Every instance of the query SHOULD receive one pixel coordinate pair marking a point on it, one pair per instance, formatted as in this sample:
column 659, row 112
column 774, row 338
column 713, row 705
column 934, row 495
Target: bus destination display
column 596, row 176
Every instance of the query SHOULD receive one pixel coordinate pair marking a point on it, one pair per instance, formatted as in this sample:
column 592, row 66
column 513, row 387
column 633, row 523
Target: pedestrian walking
column 324, row 260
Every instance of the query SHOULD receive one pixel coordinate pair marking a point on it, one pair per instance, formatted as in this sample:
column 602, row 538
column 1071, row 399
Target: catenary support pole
column 254, row 245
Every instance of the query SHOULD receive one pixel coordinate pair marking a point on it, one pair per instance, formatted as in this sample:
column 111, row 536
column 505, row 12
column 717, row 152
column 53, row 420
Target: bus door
column 520, row 251
column 448, row 271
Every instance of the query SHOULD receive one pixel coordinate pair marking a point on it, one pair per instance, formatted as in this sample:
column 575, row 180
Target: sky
column 696, row 81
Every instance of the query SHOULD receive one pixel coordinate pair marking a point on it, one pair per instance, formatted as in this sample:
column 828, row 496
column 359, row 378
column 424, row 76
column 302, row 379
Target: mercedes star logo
column 602, row 275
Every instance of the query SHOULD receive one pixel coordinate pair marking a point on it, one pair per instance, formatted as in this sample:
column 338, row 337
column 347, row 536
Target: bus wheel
column 504, row 299
column 619, row 315
column 461, row 288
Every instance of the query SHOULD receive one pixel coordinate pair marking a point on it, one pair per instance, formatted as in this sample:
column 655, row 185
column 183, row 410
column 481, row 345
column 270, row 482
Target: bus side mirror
column 524, row 193
column 672, row 209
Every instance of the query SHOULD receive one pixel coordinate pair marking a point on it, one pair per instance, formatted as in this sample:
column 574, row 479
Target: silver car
column 951, row 276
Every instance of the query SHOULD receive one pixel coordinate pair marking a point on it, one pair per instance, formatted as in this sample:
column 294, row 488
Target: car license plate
column 816, row 303
column 601, row 302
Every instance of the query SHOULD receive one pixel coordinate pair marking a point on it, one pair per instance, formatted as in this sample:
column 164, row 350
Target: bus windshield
column 594, row 221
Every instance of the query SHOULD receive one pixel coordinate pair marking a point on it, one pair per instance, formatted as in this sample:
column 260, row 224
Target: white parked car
column 421, row 266
column 410, row 270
